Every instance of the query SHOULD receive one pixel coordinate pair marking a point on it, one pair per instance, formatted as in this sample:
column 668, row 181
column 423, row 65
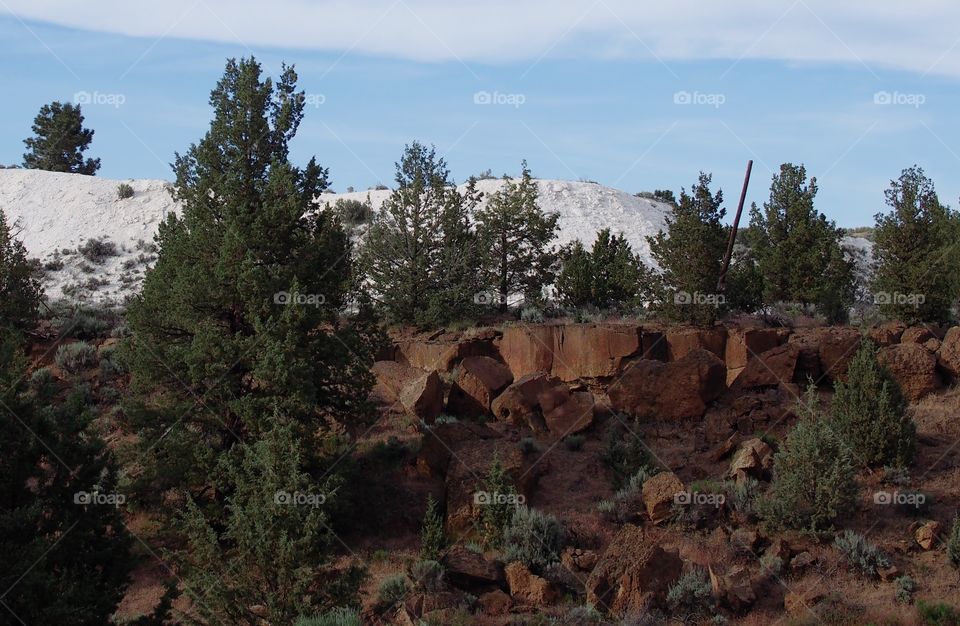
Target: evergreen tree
column 797, row 249
column 914, row 248
column 498, row 505
column 432, row 537
column 514, row 232
column 870, row 413
column 242, row 314
column 420, row 254
column 690, row 255
column 65, row 551
column 610, row 275
column 19, row 290
column 59, row 141
column 272, row 549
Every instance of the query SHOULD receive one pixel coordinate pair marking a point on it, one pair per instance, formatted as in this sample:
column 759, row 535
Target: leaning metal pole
column 722, row 283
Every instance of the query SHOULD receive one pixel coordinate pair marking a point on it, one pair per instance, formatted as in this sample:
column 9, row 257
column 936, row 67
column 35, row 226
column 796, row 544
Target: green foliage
column 690, row 595
column 66, row 552
column 20, row 291
column 335, row 617
column 870, row 413
column 59, row 140
column 528, row 445
column 937, row 614
column 797, row 249
column 432, row 537
column 904, row 586
column 499, row 507
column 427, row 575
column 124, row 191
column 514, row 233
column 814, row 479
column 915, row 253
column 690, row 255
column 534, row 538
column 243, row 315
column 270, row 545
column 864, row 556
column 744, row 497
column 353, row 212
column 392, row 590
column 626, row 455
column 609, row 275
column 420, row 253
column 73, row 357
column 97, row 250
column 745, row 285
column 953, row 544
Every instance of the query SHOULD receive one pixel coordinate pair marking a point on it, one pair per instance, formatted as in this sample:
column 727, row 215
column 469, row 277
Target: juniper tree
column 915, row 252
column 19, row 290
column 66, row 556
column 690, row 254
column 610, row 275
column 798, row 250
column 432, row 537
column 243, row 314
column 59, row 140
column 870, row 413
column 514, row 234
column 420, row 255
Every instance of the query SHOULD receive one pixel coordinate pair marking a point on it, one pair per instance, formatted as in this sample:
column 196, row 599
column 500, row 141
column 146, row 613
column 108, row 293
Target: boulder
column 744, row 344
column 579, row 560
column 529, row 588
column 593, row 350
column 887, row 334
column 675, row 390
column 478, row 380
column 917, row 334
column 419, row 393
column 789, row 363
column 754, row 459
column 660, row 494
column 519, row 403
column 429, row 352
column 836, row 347
column 682, row 341
column 948, row 356
column 926, row 535
column 495, row 602
column 634, row 573
column 527, row 349
column 440, row 440
column 566, row 412
column 914, row 367
column 466, row 569
column 733, row 589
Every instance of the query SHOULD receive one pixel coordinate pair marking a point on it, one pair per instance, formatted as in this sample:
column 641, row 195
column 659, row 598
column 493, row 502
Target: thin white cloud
column 918, row 36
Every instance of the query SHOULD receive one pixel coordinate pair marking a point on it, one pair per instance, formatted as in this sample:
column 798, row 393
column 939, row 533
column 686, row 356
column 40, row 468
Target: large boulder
column 682, row 341
column 477, row 382
column 948, row 356
column 744, row 344
column 660, row 495
column 545, row 405
column 528, row 588
column 429, row 352
column 887, row 334
column 566, row 412
column 836, row 348
column 418, row 392
column 592, row 350
column 519, row 404
column 917, row 334
column 754, row 459
column 675, row 390
column 914, row 367
column 527, row 349
column 440, row 440
column 792, row 362
column 466, row 569
column 633, row 574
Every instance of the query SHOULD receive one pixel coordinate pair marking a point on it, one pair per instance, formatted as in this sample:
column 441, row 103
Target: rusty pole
column 722, row 282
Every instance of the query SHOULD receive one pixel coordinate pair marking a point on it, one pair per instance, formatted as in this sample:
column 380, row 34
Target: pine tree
column 690, row 255
column 914, row 248
column 65, row 551
column 272, row 549
column 498, row 507
column 420, row 254
column 59, row 141
column 242, row 315
column 870, row 413
column 515, row 232
column 432, row 537
column 610, row 275
column 797, row 249
column 19, row 290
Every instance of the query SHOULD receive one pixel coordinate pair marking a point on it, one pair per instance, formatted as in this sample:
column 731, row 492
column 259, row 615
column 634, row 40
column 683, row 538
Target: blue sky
column 635, row 99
